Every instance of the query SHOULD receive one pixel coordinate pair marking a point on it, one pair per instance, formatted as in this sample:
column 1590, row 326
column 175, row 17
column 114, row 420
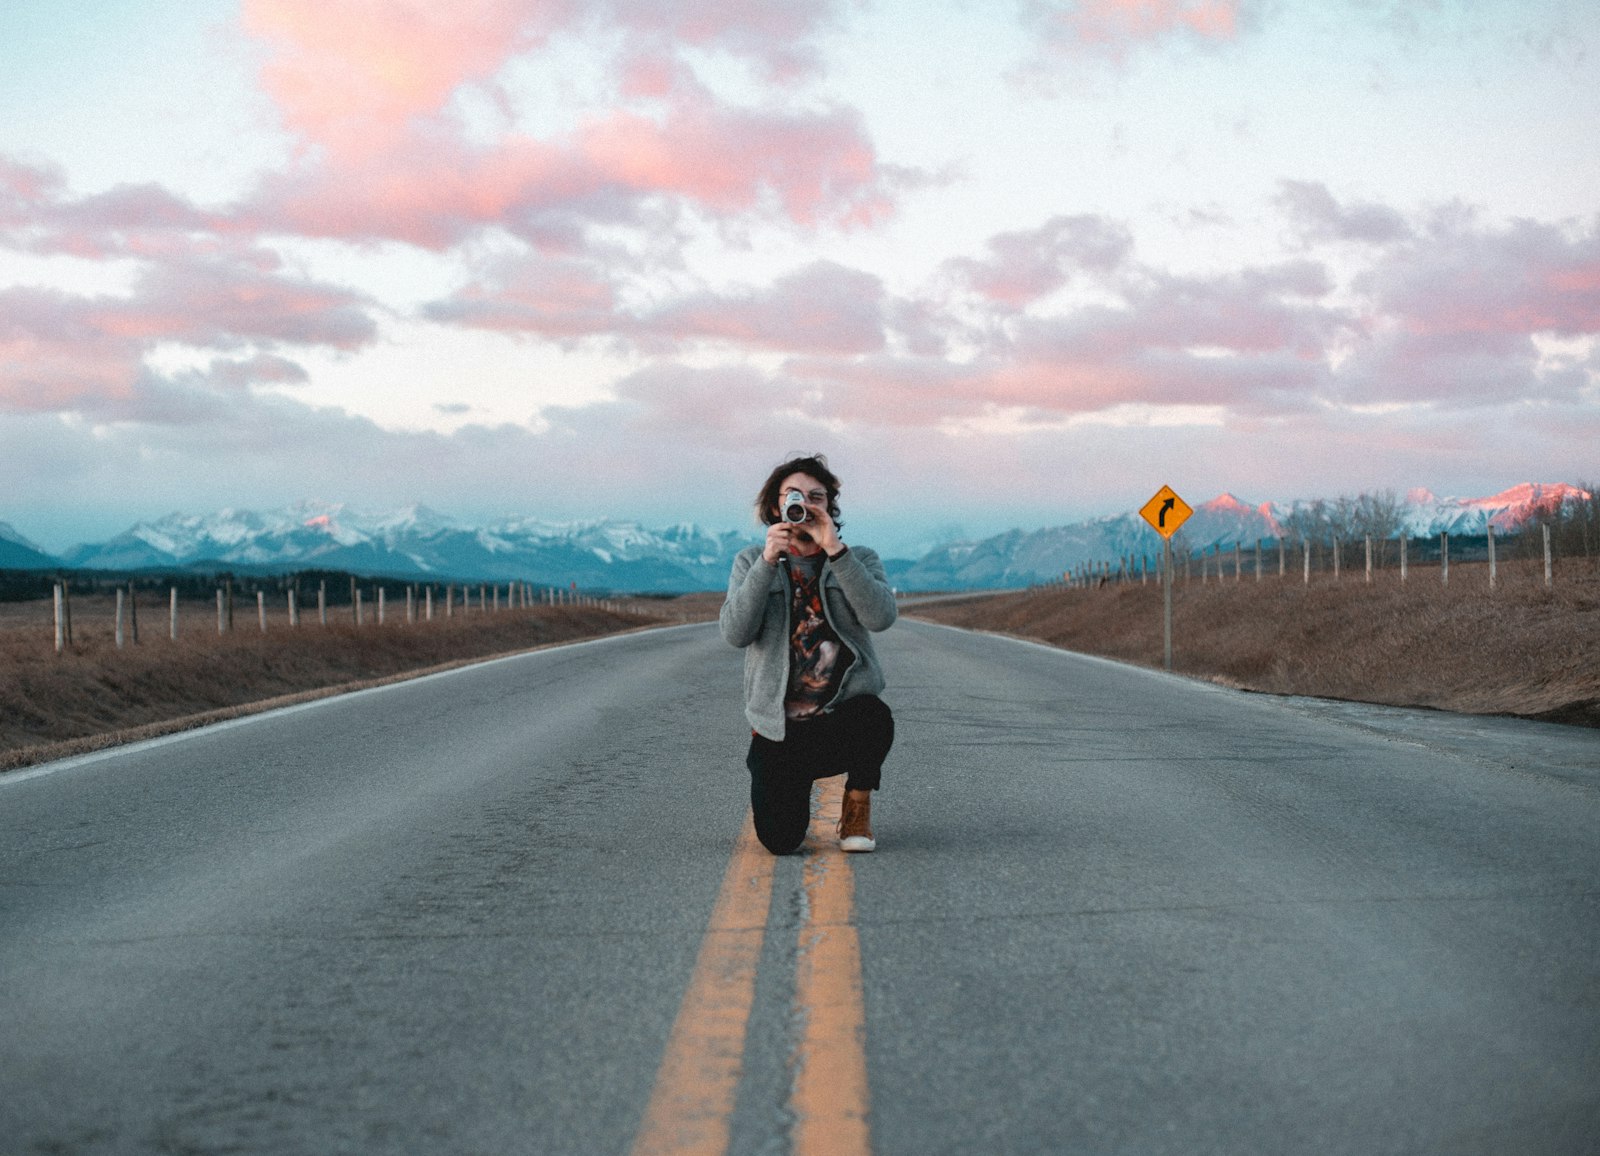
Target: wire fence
column 179, row 608
column 1524, row 557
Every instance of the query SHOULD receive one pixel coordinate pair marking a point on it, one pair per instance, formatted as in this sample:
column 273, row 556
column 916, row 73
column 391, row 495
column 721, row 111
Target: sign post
column 1166, row 512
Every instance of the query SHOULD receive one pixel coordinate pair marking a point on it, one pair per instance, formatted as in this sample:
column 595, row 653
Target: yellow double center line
column 829, row 1098
column 692, row 1103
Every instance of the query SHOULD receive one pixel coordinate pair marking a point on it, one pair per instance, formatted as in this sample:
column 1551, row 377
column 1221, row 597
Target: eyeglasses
column 817, row 496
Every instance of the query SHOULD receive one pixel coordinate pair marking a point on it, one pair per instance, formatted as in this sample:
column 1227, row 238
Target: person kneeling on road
column 801, row 606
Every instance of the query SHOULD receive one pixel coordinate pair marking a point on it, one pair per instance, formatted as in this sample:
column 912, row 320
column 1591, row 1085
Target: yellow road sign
column 1166, row 512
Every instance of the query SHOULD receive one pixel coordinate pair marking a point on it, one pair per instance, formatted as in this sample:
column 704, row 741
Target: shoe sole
column 858, row 843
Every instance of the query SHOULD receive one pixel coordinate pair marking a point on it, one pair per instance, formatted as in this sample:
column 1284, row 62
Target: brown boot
column 855, row 822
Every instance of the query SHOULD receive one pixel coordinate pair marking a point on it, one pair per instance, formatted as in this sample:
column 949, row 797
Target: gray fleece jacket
column 856, row 598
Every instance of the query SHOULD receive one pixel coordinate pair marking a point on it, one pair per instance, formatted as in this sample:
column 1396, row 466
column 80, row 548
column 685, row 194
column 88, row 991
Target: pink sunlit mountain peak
column 1533, row 495
column 1511, row 508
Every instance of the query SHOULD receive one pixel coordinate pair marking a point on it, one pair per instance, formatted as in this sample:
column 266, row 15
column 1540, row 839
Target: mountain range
column 418, row 543
column 410, row 544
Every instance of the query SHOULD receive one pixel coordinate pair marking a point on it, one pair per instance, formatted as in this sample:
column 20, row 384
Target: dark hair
column 814, row 464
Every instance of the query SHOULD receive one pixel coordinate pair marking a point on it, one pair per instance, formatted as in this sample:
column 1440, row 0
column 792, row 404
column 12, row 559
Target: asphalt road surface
column 515, row 909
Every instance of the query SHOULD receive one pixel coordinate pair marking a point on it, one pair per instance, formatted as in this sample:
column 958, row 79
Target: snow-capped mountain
column 1426, row 515
column 1019, row 558
column 416, row 542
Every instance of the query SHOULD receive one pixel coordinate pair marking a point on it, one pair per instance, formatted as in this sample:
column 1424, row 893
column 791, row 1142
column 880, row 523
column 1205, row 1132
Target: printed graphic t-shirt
column 818, row 658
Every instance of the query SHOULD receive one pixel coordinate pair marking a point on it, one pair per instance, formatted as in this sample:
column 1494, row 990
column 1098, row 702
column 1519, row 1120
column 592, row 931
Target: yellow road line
column 692, row 1103
column 695, row 1086
column 829, row 1098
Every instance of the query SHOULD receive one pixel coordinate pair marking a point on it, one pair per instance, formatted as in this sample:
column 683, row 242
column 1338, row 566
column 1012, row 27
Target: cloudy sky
column 1007, row 262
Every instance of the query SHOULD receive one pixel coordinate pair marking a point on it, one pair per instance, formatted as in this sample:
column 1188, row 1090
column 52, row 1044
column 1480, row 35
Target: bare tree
column 1346, row 519
column 1377, row 515
column 1310, row 522
column 1575, row 523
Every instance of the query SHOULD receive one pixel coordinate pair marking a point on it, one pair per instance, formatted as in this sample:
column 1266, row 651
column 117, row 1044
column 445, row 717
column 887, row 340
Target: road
column 514, row 908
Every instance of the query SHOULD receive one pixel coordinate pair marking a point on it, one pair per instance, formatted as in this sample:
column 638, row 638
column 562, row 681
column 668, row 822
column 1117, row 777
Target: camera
column 794, row 507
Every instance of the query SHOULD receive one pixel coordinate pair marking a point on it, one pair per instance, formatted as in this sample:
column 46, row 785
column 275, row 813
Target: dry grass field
column 1517, row 650
column 95, row 695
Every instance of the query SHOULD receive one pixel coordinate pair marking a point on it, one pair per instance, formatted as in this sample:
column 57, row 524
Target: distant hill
column 17, row 553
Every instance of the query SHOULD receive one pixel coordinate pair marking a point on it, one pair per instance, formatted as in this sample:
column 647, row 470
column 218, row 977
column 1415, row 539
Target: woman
column 802, row 606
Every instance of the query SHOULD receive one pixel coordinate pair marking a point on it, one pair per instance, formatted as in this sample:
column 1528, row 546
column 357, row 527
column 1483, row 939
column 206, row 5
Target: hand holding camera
column 802, row 529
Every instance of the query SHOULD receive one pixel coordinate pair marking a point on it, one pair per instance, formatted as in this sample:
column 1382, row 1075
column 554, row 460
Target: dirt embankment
column 95, row 695
column 1519, row 649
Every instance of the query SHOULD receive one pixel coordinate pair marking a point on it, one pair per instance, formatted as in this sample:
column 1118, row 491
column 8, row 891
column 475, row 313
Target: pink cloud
column 652, row 74
column 1470, row 369
column 51, row 358
column 1450, row 274
column 24, row 186
column 433, row 189
column 64, row 352
column 1447, row 306
column 1023, row 266
column 923, row 325
column 1528, row 277
column 819, row 166
column 1322, row 218
column 1247, row 383
column 557, row 298
column 1446, row 315
column 38, row 215
column 701, row 404
column 56, row 358
column 1114, row 28
column 355, row 76
column 1252, row 341
column 890, row 393
column 352, row 75
column 214, row 305
column 368, row 84
column 775, row 34
column 263, row 368
column 1255, row 312
column 893, row 392
column 823, row 308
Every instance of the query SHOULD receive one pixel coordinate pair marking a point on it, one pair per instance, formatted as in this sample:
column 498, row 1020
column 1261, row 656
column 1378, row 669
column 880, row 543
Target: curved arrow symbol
column 1161, row 518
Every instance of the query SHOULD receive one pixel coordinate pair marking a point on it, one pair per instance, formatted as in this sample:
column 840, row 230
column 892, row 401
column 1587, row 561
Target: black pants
column 853, row 739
